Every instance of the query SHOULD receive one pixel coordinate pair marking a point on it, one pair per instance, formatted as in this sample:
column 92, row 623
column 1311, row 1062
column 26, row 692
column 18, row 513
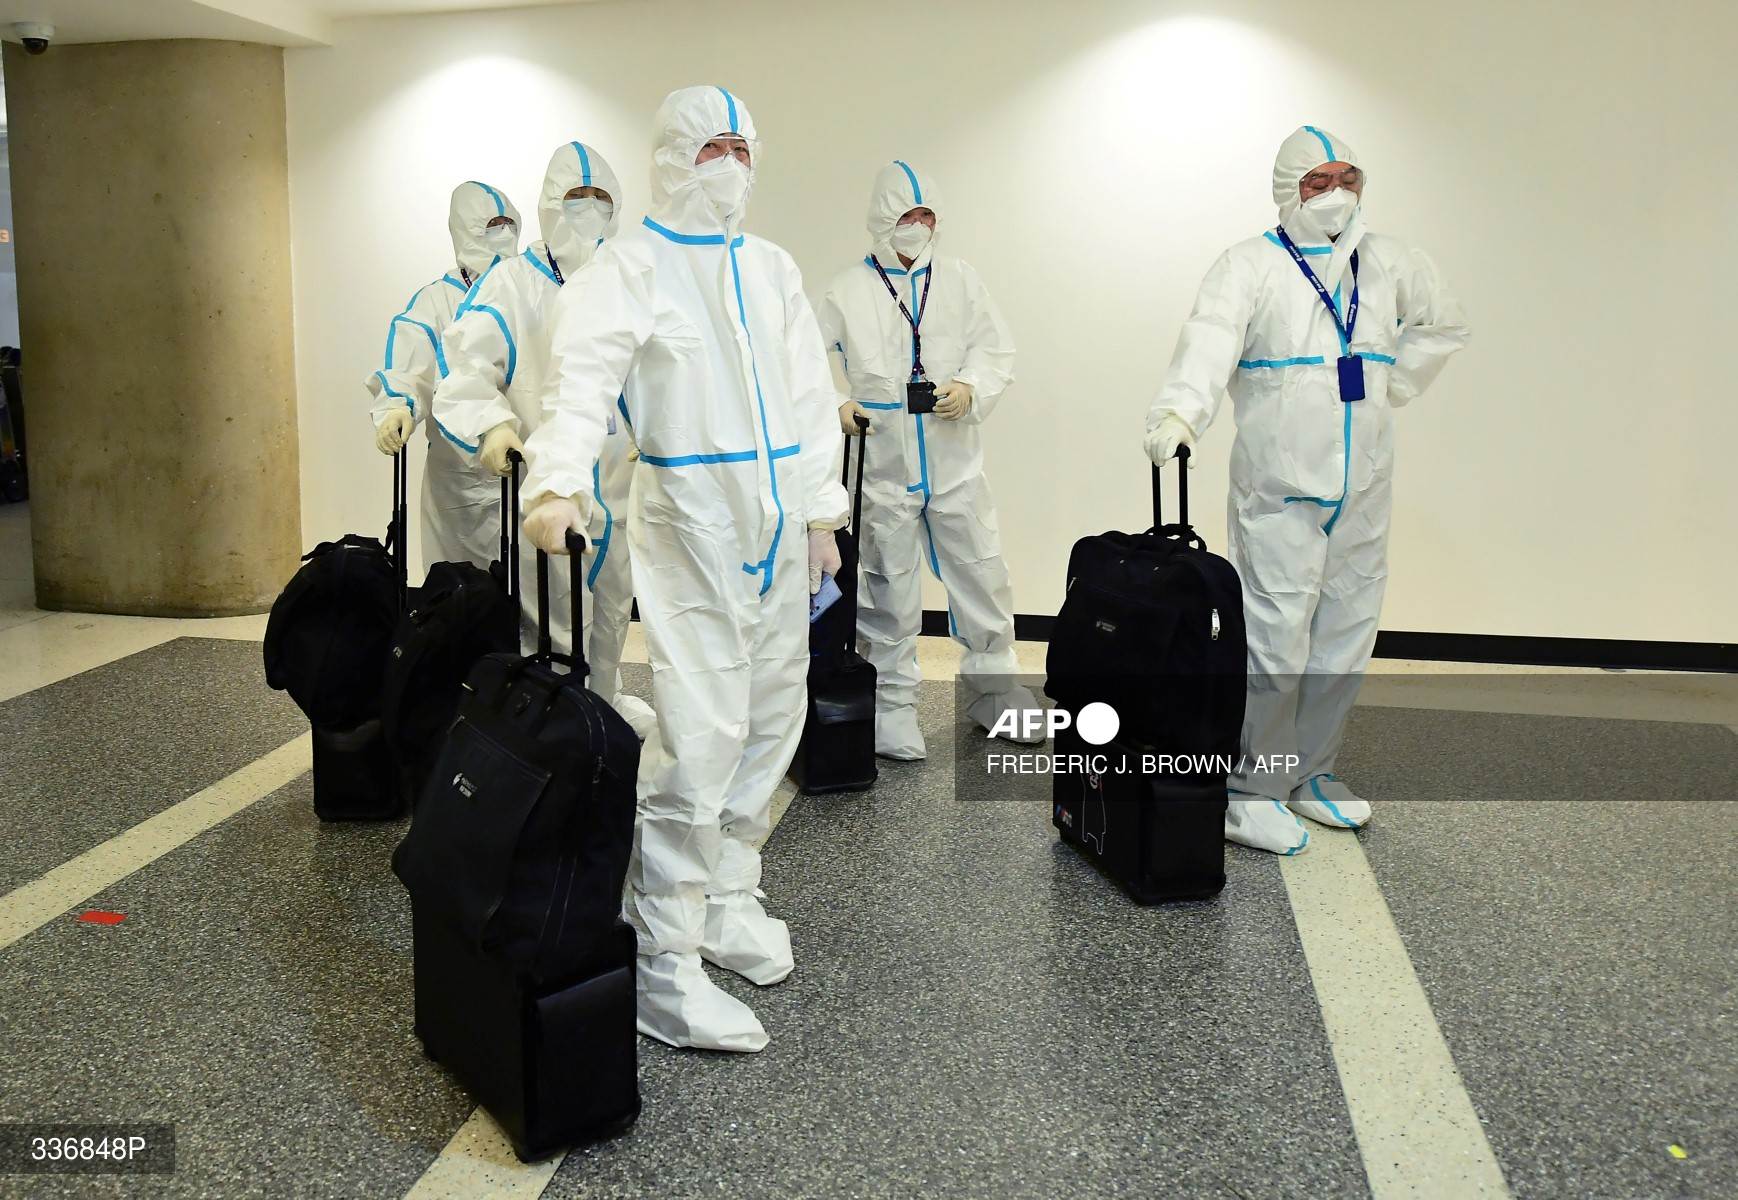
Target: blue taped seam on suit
column 395, row 393
column 500, row 208
column 455, row 283
column 1252, row 364
column 689, row 239
column 887, row 404
column 730, row 108
column 1327, row 146
column 916, row 190
column 542, row 266
column 1316, row 787
column 1301, row 249
column 584, row 165
column 609, row 524
column 454, row 438
column 770, row 562
column 512, row 347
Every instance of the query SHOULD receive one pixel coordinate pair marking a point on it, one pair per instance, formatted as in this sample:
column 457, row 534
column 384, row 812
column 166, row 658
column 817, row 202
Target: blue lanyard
column 1351, row 321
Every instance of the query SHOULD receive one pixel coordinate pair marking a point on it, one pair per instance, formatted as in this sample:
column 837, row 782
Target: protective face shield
column 900, row 187
column 910, row 240
column 693, row 198
column 573, row 239
column 588, row 216
column 502, row 239
column 473, row 206
column 1332, row 211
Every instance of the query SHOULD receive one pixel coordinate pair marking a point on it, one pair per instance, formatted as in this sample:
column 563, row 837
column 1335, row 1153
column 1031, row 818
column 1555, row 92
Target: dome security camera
column 36, row 35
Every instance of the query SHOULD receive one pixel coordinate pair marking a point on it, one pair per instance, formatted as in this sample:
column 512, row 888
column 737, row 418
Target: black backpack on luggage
column 461, row 613
column 514, row 863
column 837, row 750
column 1152, row 625
column 326, row 644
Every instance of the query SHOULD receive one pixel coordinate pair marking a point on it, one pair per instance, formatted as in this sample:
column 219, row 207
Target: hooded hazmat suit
column 497, row 353
column 1310, row 472
column 925, row 498
column 460, row 501
column 728, row 391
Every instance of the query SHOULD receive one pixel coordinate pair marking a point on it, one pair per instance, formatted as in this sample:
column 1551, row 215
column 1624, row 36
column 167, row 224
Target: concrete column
column 150, row 192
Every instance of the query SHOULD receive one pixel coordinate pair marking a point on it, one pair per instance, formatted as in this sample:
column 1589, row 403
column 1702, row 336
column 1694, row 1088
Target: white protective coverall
column 732, row 403
column 461, row 502
column 497, row 354
column 1310, row 473
column 925, row 498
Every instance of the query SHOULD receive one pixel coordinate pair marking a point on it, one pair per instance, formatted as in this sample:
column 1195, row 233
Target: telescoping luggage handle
column 398, row 533
column 1182, row 490
column 510, row 523
column 845, row 473
column 1182, row 528
column 574, row 661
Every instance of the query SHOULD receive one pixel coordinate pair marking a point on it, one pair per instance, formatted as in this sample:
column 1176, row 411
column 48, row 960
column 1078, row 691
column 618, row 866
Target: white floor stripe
column 479, row 1164
column 1417, row 1131
column 40, row 901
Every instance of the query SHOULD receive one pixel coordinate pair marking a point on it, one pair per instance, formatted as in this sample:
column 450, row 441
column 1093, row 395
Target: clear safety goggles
column 1317, row 182
column 745, row 150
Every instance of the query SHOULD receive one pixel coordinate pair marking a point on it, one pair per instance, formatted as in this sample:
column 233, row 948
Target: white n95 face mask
column 911, row 239
column 725, row 183
column 502, row 240
column 587, row 216
column 1332, row 211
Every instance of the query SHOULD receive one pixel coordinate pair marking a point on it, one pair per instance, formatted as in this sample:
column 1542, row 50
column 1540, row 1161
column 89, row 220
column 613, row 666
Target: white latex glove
column 1162, row 442
column 547, row 523
column 848, row 414
column 953, row 399
column 393, row 431
column 496, row 443
column 823, row 557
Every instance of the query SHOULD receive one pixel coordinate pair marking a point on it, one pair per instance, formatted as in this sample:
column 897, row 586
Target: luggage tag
column 824, row 599
column 1351, row 378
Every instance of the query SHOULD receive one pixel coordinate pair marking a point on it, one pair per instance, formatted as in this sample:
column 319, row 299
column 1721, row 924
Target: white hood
column 574, row 164
column 473, row 206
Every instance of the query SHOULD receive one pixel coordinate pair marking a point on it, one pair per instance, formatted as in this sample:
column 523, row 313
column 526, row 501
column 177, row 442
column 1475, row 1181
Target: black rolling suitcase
column 1152, row 625
column 837, row 751
column 460, row 613
column 515, row 862
column 326, row 643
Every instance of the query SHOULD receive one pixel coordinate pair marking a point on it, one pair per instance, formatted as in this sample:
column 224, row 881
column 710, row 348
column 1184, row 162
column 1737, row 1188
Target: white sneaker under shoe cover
column 1327, row 801
column 1264, row 824
column 741, row 937
column 678, row 1004
column 897, row 735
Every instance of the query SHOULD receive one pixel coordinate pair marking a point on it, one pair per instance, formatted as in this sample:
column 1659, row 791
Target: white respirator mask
column 587, row 216
column 502, row 240
column 725, row 183
column 910, row 240
column 1332, row 211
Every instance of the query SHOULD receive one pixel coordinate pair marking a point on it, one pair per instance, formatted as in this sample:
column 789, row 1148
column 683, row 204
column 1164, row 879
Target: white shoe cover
column 637, row 713
column 1264, row 824
column 985, row 711
column 1324, row 799
column 897, row 736
column 678, row 1004
column 741, row 937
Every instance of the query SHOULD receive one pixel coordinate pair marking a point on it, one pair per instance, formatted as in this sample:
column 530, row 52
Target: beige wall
column 1569, row 166
column 150, row 194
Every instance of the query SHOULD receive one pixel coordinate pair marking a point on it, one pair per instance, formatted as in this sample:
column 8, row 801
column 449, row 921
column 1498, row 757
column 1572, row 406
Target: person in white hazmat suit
column 905, row 313
column 735, row 498
column 497, row 355
column 1319, row 330
column 460, row 502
